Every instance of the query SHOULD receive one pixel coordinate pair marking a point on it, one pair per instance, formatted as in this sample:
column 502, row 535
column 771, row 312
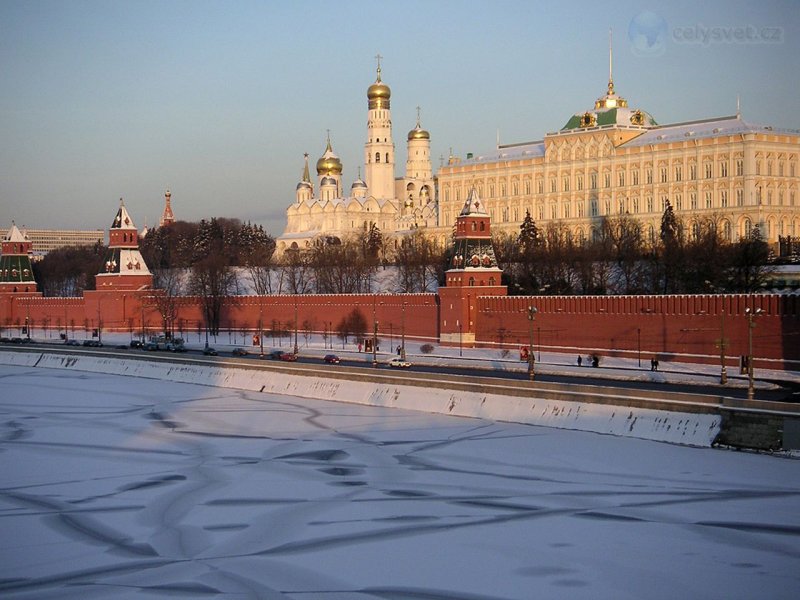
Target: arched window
column 377, row 157
column 387, row 157
column 483, row 226
column 471, row 282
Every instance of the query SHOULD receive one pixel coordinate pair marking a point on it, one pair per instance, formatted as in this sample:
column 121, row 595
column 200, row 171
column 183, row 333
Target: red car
column 288, row 357
column 331, row 359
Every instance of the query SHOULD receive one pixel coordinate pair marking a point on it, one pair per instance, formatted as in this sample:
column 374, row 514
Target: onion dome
column 358, row 184
column 418, row 134
column 379, row 93
column 327, row 181
column 329, row 163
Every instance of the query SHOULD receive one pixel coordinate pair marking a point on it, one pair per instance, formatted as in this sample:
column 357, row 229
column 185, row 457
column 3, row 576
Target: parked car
column 288, row 357
column 275, row 355
column 331, row 359
column 72, row 343
column 5, row 340
column 239, row 352
column 209, row 351
column 174, row 347
column 92, row 343
column 151, row 347
column 399, row 363
column 136, row 344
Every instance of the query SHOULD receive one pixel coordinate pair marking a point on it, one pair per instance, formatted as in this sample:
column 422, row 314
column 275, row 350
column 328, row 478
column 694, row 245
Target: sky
column 141, row 488
column 218, row 101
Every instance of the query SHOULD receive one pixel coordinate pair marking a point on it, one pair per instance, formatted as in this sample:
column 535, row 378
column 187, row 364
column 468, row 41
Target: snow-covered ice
column 138, row 488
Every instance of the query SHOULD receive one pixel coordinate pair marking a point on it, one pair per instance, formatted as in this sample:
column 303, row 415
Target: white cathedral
column 396, row 205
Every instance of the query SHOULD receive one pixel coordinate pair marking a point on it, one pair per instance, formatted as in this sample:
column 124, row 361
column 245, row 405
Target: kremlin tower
column 16, row 274
column 124, row 267
column 473, row 272
column 167, row 218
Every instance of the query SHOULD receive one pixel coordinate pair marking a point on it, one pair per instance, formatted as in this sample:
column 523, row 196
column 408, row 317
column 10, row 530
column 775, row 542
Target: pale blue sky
column 219, row 100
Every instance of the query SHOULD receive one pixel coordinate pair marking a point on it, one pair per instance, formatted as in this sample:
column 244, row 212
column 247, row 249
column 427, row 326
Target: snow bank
column 658, row 425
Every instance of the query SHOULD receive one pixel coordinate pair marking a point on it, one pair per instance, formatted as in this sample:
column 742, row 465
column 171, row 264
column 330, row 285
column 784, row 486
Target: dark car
column 5, row 340
column 151, row 347
column 239, row 352
column 136, row 344
column 72, row 343
column 16, row 340
column 275, row 355
column 92, row 343
column 209, row 351
column 331, row 359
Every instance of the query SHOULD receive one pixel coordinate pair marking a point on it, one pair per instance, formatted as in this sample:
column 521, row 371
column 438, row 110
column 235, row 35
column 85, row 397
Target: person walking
column 580, row 360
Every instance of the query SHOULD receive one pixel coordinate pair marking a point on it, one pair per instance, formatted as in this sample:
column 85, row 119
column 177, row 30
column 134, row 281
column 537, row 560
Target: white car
column 399, row 363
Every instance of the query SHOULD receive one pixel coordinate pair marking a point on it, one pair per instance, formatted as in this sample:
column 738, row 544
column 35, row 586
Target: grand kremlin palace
column 607, row 160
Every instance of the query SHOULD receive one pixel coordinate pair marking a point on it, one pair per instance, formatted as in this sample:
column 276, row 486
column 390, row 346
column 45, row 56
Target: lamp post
column 260, row 327
column 639, row 344
column 403, row 334
column 723, row 374
column 296, row 349
column 375, row 343
column 99, row 323
column 751, row 314
column 460, row 344
column 532, row 310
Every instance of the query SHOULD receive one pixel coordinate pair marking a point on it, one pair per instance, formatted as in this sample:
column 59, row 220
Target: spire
column 610, row 64
column 379, row 57
column 306, row 176
column 167, row 217
column 738, row 108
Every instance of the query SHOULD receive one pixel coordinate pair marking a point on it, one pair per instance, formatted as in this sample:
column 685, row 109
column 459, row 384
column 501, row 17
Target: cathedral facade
column 324, row 211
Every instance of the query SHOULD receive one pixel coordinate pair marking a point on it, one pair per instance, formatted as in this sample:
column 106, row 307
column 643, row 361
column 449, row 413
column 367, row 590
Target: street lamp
column 296, row 349
column 403, row 334
column 723, row 374
column 460, row 344
column 532, row 310
column 260, row 327
column 751, row 314
column 375, row 344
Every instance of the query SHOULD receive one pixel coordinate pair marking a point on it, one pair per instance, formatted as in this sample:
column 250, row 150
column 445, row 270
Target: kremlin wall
column 471, row 310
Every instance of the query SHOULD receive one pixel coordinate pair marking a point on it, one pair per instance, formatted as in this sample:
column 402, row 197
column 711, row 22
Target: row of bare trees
column 620, row 259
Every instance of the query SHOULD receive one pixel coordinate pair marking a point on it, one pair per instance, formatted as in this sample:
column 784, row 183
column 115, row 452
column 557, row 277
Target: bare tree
column 295, row 273
column 212, row 279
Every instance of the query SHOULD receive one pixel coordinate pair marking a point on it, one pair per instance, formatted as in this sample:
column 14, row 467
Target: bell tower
column 379, row 149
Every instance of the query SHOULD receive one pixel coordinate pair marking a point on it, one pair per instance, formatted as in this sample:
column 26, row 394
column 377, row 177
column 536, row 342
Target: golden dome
column 418, row 134
column 379, row 93
column 329, row 163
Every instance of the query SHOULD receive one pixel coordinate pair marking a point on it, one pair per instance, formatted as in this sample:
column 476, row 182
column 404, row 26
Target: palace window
column 527, row 188
column 663, row 174
column 693, row 171
column 608, row 207
column 594, row 208
column 758, row 169
column 723, row 198
column 739, row 197
column 769, row 198
column 621, row 178
column 739, row 167
column 649, row 202
column 579, row 183
column 540, row 186
column 726, row 230
column 635, row 205
column 707, row 167
column 723, row 169
column 541, row 212
column 515, row 188
column 678, row 202
column 553, row 185
column 502, row 189
column 649, row 175
column 566, row 210
column 780, row 169
column 565, row 183
column 607, row 180
column 580, row 209
column 593, row 181
column 636, row 177
column 678, row 173
column 693, row 201
column 553, row 211
column 769, row 167
column 708, row 199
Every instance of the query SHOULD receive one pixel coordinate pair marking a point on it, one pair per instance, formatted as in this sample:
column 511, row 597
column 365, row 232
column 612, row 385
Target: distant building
column 167, row 218
column 45, row 240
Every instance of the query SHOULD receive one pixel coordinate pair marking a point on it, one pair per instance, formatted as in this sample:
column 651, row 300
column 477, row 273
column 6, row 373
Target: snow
column 125, row 487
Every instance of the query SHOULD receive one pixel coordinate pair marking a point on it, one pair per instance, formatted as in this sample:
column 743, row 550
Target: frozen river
column 135, row 488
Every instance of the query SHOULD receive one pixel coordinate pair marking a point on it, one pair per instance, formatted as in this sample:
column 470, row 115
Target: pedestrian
column 655, row 364
column 580, row 360
column 359, row 346
column 652, row 364
column 398, row 350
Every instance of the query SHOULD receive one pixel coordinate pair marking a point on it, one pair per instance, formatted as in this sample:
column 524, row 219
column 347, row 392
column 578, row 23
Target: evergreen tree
column 528, row 233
